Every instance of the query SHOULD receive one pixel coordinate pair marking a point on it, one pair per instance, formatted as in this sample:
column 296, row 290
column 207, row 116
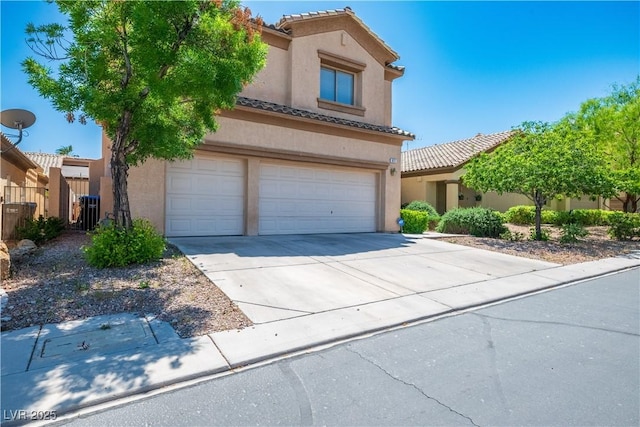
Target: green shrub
column 513, row 237
column 584, row 217
column 544, row 237
column 563, row 217
column 571, row 233
column 549, row 217
column 624, row 226
column 113, row 246
column 521, row 215
column 479, row 222
column 41, row 230
column 415, row 222
column 422, row 206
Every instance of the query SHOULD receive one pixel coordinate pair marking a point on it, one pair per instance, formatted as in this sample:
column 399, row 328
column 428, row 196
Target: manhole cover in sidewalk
column 84, row 343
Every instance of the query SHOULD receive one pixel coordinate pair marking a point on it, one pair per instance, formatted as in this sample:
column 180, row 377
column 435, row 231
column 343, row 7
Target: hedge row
column 525, row 215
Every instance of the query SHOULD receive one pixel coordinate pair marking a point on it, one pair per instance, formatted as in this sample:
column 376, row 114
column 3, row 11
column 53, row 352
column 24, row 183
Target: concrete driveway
column 280, row 277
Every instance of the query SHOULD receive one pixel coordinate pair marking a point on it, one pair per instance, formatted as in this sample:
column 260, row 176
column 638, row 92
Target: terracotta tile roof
column 286, row 19
column 452, row 154
column 283, row 109
column 46, row 160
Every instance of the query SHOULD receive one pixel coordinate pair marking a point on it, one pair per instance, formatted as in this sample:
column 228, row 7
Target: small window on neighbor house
column 337, row 86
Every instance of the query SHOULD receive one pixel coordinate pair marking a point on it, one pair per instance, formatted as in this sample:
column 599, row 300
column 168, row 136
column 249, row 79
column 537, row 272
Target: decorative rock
column 26, row 244
column 23, row 247
column 5, row 261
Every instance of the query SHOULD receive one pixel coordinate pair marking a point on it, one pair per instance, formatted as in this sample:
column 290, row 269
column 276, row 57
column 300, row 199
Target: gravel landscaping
column 596, row 245
column 55, row 284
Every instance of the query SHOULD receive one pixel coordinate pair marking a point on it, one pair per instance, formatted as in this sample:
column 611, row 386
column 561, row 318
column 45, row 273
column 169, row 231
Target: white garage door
column 205, row 197
column 301, row 199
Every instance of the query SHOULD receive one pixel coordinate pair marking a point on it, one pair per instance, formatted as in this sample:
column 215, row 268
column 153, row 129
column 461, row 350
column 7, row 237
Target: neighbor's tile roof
column 46, row 160
column 283, row 109
column 451, row 154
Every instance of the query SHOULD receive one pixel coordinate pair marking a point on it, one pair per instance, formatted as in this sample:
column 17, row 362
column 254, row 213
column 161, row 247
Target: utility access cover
column 91, row 340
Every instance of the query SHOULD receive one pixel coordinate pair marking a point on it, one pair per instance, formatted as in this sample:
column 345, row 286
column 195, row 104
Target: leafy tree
column 65, row 150
column 615, row 122
column 152, row 73
column 542, row 161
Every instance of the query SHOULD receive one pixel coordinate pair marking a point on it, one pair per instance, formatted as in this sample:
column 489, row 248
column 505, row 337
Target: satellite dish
column 17, row 118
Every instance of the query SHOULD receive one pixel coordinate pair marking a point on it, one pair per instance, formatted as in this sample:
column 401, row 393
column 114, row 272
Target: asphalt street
column 569, row 356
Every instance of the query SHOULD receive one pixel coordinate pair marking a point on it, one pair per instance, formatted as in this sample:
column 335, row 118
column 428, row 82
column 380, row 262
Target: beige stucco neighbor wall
column 424, row 188
column 17, row 176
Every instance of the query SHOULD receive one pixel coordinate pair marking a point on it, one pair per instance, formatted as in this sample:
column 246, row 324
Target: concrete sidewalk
column 68, row 366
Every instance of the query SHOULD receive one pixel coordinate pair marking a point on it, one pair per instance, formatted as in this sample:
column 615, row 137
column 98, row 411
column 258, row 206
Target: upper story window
column 337, row 86
column 341, row 84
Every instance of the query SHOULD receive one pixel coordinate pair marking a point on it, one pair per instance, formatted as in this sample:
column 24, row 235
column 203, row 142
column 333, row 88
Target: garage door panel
column 304, row 199
column 205, row 197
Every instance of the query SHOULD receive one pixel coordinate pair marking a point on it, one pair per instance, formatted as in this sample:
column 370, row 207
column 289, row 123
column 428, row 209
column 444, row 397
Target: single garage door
column 205, row 197
column 305, row 199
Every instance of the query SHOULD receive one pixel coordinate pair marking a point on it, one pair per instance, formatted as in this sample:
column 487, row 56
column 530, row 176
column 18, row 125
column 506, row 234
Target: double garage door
column 207, row 197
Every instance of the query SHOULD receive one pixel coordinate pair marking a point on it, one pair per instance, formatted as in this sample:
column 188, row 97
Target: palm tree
column 65, row 150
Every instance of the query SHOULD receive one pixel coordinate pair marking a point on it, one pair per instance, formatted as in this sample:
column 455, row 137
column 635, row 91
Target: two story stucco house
column 309, row 147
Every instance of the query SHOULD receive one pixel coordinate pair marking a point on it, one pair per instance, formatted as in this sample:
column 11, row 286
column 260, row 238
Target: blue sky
column 470, row 66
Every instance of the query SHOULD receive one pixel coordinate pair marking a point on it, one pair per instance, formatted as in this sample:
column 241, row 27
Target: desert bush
column 571, row 233
column 624, row 226
column 549, row 216
column 521, row 215
column 113, row 246
column 422, row 206
column 479, row 222
column 583, row 217
column 415, row 222
column 513, row 237
column 544, row 237
column 41, row 230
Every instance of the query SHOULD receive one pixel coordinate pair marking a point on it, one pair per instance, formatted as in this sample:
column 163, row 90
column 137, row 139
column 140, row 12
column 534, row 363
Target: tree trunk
column 120, row 173
column 539, row 202
column 634, row 202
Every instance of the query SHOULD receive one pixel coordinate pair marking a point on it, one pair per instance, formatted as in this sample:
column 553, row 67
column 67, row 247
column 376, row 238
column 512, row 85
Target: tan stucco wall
column 585, row 203
column 16, row 175
column 266, row 137
column 147, row 190
column 305, row 75
column 272, row 82
column 424, row 188
column 503, row 202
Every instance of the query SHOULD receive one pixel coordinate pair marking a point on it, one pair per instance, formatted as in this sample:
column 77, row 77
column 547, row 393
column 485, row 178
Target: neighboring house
column 309, row 148
column 434, row 174
column 22, row 188
column 71, row 179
